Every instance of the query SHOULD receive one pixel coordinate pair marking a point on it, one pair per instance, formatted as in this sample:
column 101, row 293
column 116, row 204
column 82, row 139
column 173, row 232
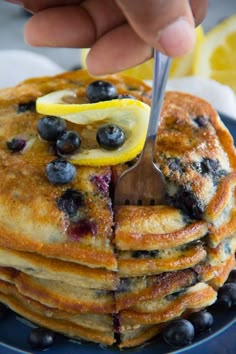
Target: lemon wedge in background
column 131, row 115
column 181, row 66
column 216, row 55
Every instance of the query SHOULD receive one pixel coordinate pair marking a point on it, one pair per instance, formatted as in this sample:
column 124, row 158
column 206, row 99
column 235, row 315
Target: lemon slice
column 216, row 56
column 131, row 115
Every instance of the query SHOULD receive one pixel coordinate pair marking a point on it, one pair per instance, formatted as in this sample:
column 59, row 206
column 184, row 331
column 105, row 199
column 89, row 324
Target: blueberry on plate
column 68, row 143
column 232, row 277
column 101, row 91
column 179, row 333
column 202, row 320
column 110, row 136
column 60, row 172
column 41, row 338
column 228, row 290
column 51, row 127
column 223, row 303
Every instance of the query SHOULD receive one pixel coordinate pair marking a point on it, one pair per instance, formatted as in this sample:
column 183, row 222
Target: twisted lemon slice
column 130, row 115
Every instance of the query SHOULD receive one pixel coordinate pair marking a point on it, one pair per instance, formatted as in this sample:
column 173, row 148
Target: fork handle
column 161, row 70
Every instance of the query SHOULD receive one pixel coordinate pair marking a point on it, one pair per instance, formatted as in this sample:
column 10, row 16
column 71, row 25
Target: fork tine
column 143, row 183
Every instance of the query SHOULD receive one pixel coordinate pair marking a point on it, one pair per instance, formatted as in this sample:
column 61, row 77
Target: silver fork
column 144, row 183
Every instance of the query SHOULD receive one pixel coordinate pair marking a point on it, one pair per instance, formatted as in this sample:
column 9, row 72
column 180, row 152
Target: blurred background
column 12, row 20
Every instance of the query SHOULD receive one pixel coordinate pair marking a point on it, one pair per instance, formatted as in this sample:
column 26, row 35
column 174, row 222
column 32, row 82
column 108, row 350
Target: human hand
column 120, row 33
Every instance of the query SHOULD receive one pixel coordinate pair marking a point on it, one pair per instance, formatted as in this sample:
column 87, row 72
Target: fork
column 144, row 183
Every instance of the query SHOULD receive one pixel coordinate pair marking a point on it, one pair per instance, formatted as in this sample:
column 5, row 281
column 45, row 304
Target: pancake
column 96, row 328
column 131, row 291
column 159, row 311
column 114, row 274
column 56, row 269
column 65, row 296
column 138, row 263
column 154, row 227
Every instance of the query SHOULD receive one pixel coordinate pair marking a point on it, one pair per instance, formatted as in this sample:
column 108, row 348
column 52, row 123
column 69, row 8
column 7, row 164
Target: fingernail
column 177, row 38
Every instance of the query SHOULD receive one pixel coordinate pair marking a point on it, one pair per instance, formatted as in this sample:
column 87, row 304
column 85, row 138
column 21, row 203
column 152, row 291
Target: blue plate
column 221, row 339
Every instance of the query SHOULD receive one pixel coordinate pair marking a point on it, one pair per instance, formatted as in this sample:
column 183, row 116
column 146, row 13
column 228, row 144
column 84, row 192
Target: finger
column 73, row 26
column 60, row 27
column 165, row 25
column 117, row 50
column 199, row 10
column 36, row 6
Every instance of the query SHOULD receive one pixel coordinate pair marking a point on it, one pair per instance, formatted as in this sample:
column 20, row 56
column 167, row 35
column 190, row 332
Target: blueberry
column 188, row 202
column 70, row 201
column 24, row 107
column 110, row 136
column 16, row 144
column 178, row 333
column 50, row 128
column 223, row 303
column 175, row 295
column 41, row 338
column 68, row 142
column 101, row 91
column 174, row 164
column 202, row 320
column 3, row 311
column 228, row 290
column 60, row 172
column 102, row 182
column 82, row 228
column 145, row 254
column 117, row 327
column 201, row 121
column 232, row 277
column 124, row 285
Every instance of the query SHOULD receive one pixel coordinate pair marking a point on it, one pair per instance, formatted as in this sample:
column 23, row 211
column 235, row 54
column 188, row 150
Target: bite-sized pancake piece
column 138, row 263
column 196, row 297
column 55, row 269
column 61, row 295
column 154, row 228
column 132, row 291
column 61, row 323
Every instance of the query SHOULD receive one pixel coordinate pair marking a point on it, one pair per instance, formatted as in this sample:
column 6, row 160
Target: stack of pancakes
column 114, row 274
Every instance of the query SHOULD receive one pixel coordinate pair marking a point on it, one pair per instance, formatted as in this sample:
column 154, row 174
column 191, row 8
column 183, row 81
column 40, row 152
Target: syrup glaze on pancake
column 114, row 274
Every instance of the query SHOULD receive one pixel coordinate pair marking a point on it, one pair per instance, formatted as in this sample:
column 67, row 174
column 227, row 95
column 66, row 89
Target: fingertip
column 178, row 38
column 28, row 38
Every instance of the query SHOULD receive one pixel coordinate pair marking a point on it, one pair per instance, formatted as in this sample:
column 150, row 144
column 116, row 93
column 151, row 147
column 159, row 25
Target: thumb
column 166, row 25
